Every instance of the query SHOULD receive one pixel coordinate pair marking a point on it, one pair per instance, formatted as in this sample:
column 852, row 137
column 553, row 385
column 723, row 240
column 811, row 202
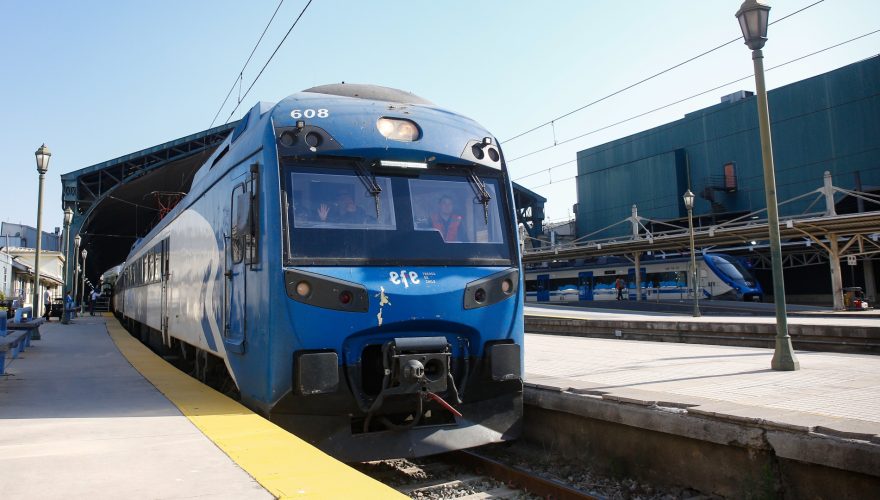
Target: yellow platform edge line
column 282, row 463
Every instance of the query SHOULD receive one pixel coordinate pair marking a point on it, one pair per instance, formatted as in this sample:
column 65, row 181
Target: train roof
column 370, row 92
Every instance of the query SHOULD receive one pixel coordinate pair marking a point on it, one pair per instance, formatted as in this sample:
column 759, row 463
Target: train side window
column 240, row 224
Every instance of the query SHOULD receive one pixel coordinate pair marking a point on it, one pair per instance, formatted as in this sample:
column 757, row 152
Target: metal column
column 836, row 277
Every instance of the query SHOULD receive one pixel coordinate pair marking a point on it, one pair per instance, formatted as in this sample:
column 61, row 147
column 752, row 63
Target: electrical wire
column 241, row 72
column 295, row 22
column 659, row 108
column 655, row 75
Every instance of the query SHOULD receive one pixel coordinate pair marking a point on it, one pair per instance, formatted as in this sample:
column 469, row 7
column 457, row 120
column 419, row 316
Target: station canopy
column 117, row 201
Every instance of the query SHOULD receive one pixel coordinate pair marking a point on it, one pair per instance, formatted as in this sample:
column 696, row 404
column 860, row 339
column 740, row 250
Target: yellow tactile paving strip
column 285, row 465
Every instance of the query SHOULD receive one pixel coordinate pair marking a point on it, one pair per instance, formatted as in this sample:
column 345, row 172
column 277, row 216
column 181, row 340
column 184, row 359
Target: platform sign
column 851, row 260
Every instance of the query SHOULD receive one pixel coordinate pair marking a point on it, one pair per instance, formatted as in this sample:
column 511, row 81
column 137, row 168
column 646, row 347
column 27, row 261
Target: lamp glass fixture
column 68, row 215
column 688, row 198
column 753, row 17
column 43, row 154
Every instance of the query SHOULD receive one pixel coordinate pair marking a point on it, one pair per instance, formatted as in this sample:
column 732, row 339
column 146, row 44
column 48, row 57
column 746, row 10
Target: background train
column 347, row 262
column 721, row 277
column 108, row 280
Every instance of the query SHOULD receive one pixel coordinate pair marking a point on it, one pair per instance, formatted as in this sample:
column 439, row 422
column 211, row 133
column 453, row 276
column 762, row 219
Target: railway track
column 466, row 474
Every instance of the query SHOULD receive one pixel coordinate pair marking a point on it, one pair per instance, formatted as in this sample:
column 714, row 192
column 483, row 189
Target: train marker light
column 398, row 129
column 480, row 295
column 345, row 297
column 287, row 139
column 303, row 289
column 506, row 286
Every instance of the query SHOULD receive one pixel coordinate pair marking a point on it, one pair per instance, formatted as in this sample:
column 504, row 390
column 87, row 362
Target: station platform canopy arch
column 117, row 201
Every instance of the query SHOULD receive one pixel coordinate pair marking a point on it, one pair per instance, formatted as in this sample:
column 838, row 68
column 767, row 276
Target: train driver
column 447, row 222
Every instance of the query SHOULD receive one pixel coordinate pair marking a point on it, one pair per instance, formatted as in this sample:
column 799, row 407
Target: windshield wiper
column 483, row 195
column 369, row 182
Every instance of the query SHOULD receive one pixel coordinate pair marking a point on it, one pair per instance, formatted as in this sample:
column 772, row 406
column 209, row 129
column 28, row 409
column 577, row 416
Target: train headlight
column 398, row 129
column 491, row 289
column 303, row 288
column 287, row 139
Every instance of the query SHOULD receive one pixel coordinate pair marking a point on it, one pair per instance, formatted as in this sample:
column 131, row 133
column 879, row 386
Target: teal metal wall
column 828, row 122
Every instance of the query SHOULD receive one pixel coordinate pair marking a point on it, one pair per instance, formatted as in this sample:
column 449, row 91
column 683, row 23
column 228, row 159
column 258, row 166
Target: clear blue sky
column 95, row 80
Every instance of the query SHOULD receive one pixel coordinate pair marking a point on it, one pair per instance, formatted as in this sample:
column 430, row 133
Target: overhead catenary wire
column 241, row 72
column 277, row 47
column 647, row 79
column 659, row 108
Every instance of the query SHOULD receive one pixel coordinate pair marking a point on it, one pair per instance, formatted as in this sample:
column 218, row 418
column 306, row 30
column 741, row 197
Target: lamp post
column 695, row 274
column 43, row 154
column 68, row 218
column 753, row 17
column 82, row 299
column 77, row 240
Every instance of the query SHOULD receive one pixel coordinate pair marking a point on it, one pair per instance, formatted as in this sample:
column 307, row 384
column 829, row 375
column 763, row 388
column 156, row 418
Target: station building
column 17, row 242
column 830, row 122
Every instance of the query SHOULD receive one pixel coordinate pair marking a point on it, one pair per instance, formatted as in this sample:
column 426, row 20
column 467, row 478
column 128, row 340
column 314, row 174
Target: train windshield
column 733, row 269
column 351, row 216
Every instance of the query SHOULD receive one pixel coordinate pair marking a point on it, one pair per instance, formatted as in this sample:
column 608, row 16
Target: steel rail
column 517, row 477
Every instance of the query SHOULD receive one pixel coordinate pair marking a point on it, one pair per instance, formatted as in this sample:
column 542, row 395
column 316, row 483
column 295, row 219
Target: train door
column 585, row 285
column 543, row 287
column 241, row 258
column 631, row 278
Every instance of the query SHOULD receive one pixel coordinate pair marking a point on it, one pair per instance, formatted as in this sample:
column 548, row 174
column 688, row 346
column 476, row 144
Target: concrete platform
column 836, row 334
column 77, row 420
column 825, row 416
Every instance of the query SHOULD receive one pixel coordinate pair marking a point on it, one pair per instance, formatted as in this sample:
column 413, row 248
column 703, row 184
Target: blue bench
column 24, row 320
column 14, row 341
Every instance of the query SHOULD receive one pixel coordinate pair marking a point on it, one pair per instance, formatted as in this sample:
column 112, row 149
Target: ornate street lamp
column 688, row 198
column 68, row 218
column 43, row 154
column 82, row 299
column 77, row 240
column 753, row 19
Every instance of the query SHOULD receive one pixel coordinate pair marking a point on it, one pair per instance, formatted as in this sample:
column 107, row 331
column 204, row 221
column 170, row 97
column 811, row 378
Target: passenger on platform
column 447, row 222
column 620, row 286
column 68, row 304
column 47, row 302
column 93, row 297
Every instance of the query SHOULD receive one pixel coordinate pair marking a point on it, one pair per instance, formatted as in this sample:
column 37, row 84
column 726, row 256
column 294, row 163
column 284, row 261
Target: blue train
column 722, row 277
column 347, row 263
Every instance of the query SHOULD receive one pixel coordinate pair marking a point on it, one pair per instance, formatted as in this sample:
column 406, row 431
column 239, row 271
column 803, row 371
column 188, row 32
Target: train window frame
column 301, row 216
column 470, row 217
column 405, row 244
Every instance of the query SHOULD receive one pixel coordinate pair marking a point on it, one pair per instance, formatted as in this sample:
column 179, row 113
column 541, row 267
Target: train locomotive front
column 349, row 257
column 401, row 277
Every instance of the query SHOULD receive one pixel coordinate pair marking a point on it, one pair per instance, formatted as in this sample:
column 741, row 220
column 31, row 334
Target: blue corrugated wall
column 827, row 122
